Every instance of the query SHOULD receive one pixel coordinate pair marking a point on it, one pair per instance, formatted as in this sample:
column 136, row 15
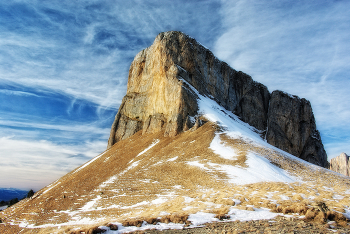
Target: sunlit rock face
column 340, row 164
column 159, row 98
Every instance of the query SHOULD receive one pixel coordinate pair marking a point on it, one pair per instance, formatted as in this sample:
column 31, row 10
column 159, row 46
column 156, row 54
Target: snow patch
column 89, row 162
column 201, row 218
column 109, row 181
column 258, row 169
column 219, row 148
column 156, row 141
column 284, row 197
column 338, row 197
column 90, row 204
column 198, row 164
column 51, row 187
column 172, row 159
column 234, row 127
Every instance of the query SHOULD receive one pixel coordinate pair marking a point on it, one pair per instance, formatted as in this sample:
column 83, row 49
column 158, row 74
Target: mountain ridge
column 156, row 98
column 181, row 159
column 221, row 169
column 6, row 194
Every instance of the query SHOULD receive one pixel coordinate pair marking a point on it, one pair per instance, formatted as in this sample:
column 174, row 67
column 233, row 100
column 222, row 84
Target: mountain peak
column 190, row 145
column 158, row 98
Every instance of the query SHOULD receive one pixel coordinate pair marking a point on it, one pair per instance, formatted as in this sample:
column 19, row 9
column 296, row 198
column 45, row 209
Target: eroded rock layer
column 158, row 98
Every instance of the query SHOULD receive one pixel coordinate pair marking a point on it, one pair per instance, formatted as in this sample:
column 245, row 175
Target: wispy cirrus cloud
column 24, row 163
column 63, row 73
column 298, row 47
column 85, row 48
column 64, row 64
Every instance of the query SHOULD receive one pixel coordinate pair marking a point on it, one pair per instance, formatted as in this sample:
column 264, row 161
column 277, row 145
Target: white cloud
column 78, row 128
column 24, row 162
column 83, row 49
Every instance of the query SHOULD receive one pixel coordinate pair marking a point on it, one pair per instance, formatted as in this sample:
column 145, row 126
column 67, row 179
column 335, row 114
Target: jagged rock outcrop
column 292, row 128
column 158, row 98
column 340, row 164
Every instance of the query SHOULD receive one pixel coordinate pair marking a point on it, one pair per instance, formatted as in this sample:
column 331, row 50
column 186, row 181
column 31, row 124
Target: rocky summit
column 159, row 98
column 340, row 164
column 189, row 150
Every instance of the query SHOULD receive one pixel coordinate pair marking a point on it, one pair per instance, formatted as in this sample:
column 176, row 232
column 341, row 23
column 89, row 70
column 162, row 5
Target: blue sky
column 64, row 67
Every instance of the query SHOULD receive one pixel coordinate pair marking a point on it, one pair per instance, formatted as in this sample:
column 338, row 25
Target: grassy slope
column 119, row 184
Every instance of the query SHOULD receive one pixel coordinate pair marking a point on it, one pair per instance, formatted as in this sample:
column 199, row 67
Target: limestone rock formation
column 292, row 128
column 340, row 164
column 158, row 98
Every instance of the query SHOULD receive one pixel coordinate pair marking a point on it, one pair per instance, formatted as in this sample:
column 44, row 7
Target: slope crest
column 221, row 168
column 157, row 99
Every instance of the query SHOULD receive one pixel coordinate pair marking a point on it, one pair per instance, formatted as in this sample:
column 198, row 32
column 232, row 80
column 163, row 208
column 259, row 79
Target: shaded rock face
column 340, row 164
column 291, row 127
column 158, row 98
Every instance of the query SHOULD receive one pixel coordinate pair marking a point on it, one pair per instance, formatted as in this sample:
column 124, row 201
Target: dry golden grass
column 141, row 187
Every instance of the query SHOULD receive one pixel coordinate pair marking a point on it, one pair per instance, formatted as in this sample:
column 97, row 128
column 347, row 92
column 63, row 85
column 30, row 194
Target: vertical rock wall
column 157, row 99
column 292, row 128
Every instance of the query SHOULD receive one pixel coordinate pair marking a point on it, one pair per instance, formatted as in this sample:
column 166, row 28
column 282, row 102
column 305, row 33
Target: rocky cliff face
column 340, row 164
column 292, row 128
column 158, row 99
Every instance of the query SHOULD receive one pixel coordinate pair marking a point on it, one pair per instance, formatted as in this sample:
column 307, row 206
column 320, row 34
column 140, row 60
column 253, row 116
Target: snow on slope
column 245, row 188
column 233, row 126
column 258, row 169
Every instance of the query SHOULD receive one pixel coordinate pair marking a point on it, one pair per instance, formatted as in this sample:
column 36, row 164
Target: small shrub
column 222, row 216
column 178, row 218
column 92, row 230
column 297, row 197
column 151, row 220
column 343, row 223
column 174, row 218
column 310, row 214
column 331, row 215
column 13, row 201
column 133, row 222
column 229, row 202
column 112, row 226
column 271, row 206
column 165, row 219
column 341, row 210
column 338, row 217
column 300, row 208
column 321, row 218
column 30, row 193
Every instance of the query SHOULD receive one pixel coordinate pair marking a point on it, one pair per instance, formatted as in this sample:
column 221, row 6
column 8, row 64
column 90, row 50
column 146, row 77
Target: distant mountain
column 340, row 164
column 6, row 194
